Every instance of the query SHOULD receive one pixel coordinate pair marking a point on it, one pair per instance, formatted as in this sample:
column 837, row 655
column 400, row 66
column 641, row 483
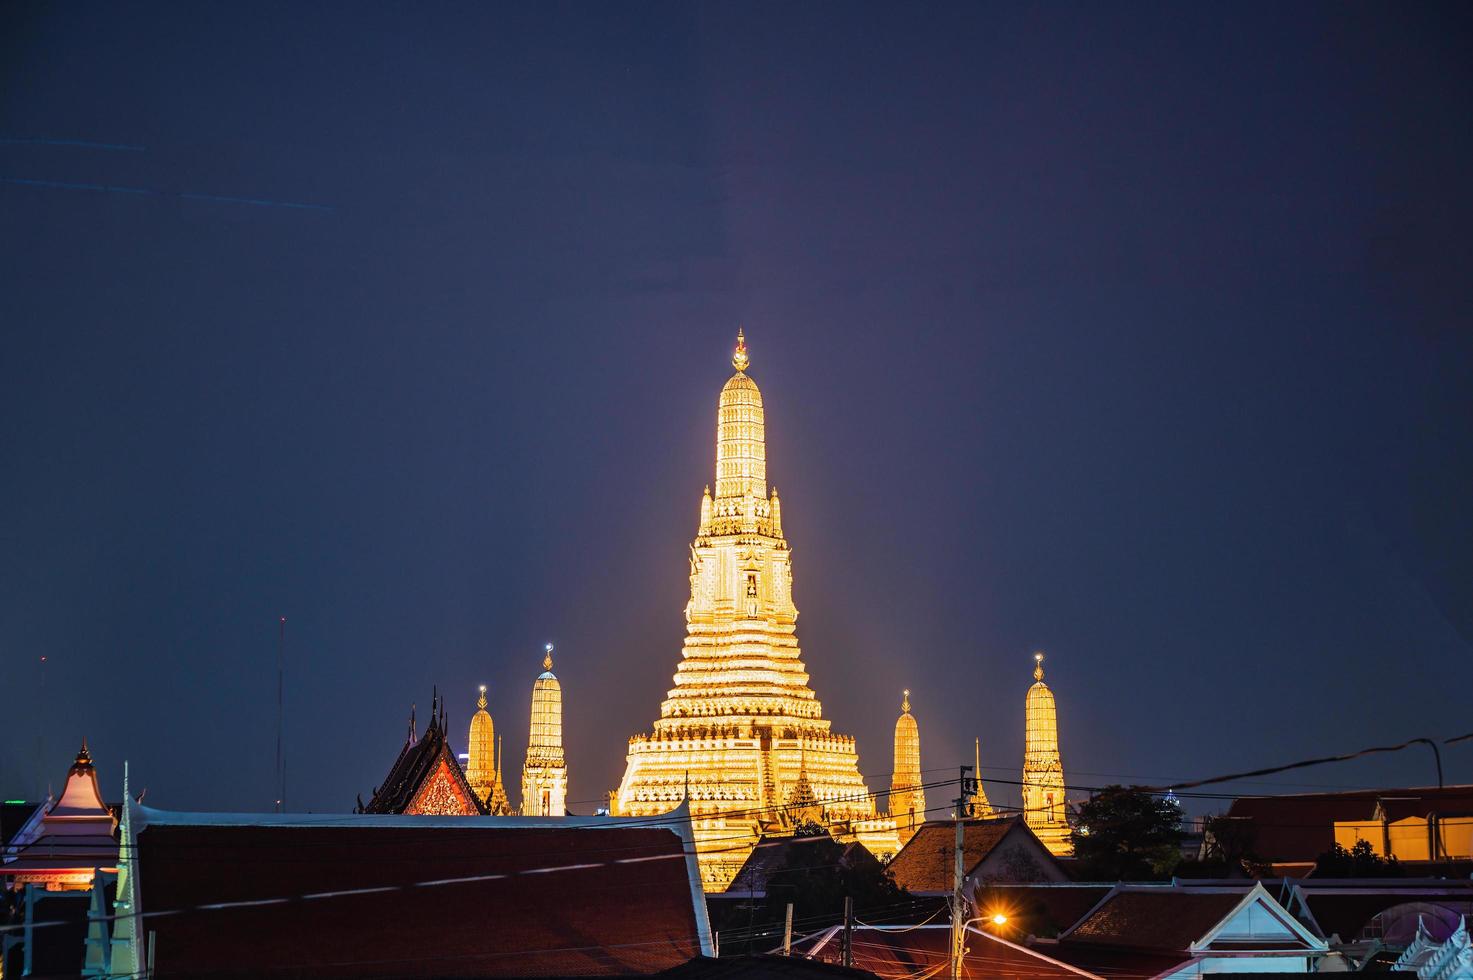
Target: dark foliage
column 1361, row 861
column 816, row 878
column 1124, row 834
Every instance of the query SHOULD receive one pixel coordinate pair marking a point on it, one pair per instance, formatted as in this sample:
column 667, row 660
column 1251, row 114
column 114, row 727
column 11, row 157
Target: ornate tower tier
column 741, row 731
column 545, row 773
column 483, row 770
column 1043, row 770
column 907, row 795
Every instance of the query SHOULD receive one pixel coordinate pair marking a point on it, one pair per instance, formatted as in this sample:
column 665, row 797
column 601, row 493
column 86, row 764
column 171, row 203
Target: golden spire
column 741, row 447
column 480, row 768
column 545, row 772
column 907, row 798
column 978, row 806
column 1043, row 771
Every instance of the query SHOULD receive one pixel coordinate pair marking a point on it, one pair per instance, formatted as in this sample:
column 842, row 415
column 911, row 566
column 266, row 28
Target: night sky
column 1138, row 334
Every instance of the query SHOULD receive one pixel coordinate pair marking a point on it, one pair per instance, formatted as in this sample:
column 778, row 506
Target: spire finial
column 905, row 700
column 547, row 660
column 481, row 703
column 1038, row 669
column 739, row 359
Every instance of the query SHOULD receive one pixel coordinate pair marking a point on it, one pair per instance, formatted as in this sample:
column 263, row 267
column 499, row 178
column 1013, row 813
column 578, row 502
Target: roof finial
column 1038, row 670
column 481, row 703
column 547, row 660
column 739, row 359
column 905, row 701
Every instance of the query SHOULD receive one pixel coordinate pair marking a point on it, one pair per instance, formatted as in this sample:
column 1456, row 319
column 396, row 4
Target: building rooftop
column 402, row 896
column 1153, row 918
column 1301, row 827
column 927, row 861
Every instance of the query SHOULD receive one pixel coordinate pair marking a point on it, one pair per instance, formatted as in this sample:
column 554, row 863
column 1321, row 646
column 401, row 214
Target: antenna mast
column 280, row 716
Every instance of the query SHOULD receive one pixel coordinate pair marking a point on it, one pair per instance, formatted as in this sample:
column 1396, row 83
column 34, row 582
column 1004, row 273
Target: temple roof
column 73, row 834
column 421, row 761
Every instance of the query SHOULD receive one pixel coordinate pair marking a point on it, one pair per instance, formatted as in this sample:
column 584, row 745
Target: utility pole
column 280, row 716
column 958, row 902
column 788, row 931
column 848, row 930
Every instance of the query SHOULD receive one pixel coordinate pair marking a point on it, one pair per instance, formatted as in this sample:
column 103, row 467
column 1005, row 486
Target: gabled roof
column 272, row 895
column 927, row 861
column 1165, row 919
column 771, row 855
column 1176, row 919
column 426, row 777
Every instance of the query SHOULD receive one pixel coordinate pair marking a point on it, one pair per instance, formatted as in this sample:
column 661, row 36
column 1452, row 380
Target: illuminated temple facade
column 741, row 732
column 907, row 795
column 1043, row 770
column 483, row 766
column 545, row 773
column 426, row 778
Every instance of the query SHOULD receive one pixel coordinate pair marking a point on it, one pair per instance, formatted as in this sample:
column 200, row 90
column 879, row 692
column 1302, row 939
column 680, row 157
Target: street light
column 959, row 950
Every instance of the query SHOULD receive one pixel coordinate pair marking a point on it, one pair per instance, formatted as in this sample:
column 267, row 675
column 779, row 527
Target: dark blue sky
column 1137, row 333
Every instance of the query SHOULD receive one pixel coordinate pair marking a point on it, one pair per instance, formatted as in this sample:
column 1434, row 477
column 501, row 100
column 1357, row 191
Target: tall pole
column 848, row 930
column 41, row 786
column 958, row 903
column 280, row 715
column 788, row 931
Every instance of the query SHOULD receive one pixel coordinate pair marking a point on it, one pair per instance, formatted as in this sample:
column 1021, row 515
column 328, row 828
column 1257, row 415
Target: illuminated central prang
column 741, row 731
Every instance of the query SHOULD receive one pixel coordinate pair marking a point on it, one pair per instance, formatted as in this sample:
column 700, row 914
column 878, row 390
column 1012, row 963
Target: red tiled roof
column 1114, row 964
column 903, row 954
column 926, row 862
column 1043, row 909
column 772, row 855
column 627, row 906
column 1164, row 919
column 757, row 967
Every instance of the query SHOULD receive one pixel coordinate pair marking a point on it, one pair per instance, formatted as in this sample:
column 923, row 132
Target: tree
column 1126, row 834
column 1361, row 861
column 1227, row 845
column 816, row 875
